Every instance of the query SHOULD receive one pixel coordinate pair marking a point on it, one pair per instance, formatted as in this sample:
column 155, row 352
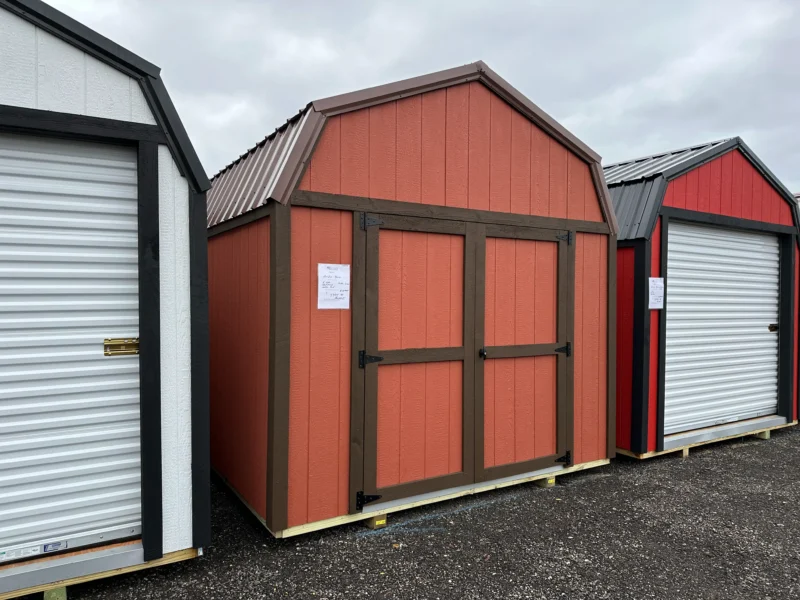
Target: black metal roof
column 77, row 34
column 638, row 186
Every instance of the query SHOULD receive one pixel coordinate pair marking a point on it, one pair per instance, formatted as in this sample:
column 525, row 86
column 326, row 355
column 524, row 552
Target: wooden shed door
column 523, row 321
column 418, row 359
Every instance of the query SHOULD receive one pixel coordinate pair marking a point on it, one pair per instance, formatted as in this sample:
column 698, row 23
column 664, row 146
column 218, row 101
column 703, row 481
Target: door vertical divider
column 471, row 243
column 356, row 374
column 371, row 346
column 478, row 364
column 567, row 272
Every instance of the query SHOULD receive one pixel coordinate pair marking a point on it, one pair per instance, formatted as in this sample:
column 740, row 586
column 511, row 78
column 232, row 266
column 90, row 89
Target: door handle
column 773, row 327
column 482, row 353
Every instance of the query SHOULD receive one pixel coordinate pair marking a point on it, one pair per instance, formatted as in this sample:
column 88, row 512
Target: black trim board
column 76, row 34
column 150, row 352
column 28, row 120
column 786, row 320
column 201, row 418
column 640, row 389
column 662, row 334
column 723, row 221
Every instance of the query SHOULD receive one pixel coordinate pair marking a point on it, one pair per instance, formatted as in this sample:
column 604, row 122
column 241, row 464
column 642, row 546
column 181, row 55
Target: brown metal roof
column 272, row 169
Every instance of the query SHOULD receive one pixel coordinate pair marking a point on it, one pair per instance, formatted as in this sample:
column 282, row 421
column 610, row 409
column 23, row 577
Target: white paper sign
column 333, row 286
column 656, row 292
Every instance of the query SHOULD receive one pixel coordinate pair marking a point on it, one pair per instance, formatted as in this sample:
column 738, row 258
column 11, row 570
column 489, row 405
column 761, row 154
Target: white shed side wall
column 176, row 396
column 39, row 70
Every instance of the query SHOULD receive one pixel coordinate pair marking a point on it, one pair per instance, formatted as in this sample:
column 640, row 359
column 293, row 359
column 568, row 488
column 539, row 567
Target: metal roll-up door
column 69, row 415
column 722, row 296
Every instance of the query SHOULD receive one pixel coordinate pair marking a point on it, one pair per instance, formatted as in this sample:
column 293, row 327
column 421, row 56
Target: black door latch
column 482, row 353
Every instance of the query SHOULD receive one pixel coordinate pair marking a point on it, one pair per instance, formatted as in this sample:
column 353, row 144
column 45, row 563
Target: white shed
column 103, row 310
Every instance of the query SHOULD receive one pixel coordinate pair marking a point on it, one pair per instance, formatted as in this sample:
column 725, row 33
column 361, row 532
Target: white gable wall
column 41, row 71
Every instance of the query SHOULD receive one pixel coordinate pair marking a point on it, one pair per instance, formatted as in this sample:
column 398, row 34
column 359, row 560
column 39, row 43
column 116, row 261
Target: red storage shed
column 707, row 298
column 411, row 299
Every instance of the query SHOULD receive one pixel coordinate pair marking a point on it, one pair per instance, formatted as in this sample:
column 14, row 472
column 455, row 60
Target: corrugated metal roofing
column 271, row 169
column 637, row 186
column 250, row 180
column 657, row 164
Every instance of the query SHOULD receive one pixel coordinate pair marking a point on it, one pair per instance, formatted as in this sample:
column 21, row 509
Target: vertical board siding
column 417, row 405
column 319, row 403
column 463, row 147
column 625, row 302
column 420, row 305
column 520, row 308
column 238, row 289
column 420, row 290
column 729, row 185
column 41, row 71
column 176, row 359
column 590, row 354
column 652, row 409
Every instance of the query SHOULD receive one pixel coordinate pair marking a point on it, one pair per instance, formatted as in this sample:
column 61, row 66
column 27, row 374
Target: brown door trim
column 565, row 309
column 429, row 211
column 372, row 224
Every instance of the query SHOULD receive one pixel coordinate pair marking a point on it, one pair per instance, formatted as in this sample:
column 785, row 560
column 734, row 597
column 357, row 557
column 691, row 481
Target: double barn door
column 462, row 337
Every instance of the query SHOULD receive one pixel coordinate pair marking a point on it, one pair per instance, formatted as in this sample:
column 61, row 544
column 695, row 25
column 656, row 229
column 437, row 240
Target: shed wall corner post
column 279, row 364
column 611, row 348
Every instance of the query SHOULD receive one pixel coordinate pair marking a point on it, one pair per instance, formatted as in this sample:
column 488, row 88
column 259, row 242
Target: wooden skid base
column 763, row 434
column 344, row 519
column 55, row 587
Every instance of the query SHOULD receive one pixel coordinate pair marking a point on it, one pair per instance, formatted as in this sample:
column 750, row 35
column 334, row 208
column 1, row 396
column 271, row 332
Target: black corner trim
column 640, row 390
column 201, row 418
column 662, row 330
column 26, row 120
column 786, row 327
column 150, row 352
column 177, row 138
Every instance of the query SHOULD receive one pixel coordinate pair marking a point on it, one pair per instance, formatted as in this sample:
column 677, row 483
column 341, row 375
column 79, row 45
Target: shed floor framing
column 422, row 501
column 684, row 449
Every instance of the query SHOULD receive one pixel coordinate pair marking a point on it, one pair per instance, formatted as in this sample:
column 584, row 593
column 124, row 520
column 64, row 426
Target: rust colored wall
column 625, row 295
column 421, row 299
column 238, row 295
column 319, row 403
column 462, row 146
column 729, row 185
column 521, row 308
column 591, row 334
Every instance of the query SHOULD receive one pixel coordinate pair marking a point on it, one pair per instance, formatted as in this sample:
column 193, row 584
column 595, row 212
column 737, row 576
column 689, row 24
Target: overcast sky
column 627, row 77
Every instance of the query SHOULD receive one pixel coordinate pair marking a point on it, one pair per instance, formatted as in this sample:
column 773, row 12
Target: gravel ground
column 724, row 523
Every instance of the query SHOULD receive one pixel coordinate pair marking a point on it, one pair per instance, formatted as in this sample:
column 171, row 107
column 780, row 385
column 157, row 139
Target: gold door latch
column 120, row 346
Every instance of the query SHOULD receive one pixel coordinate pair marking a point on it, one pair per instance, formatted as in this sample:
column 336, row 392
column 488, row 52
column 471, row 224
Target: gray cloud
column 627, row 77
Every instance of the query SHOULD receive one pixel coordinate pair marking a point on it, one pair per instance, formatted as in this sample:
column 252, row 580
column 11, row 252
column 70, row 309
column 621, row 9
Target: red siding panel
column 520, row 308
column 463, row 146
column 319, row 399
column 590, row 358
column 729, row 185
column 238, row 290
column 625, row 295
column 421, row 297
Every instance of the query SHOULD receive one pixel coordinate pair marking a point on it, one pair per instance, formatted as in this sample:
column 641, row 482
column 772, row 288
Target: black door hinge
column 363, row 499
column 568, row 237
column 565, row 349
column 364, row 359
column 566, row 459
column 369, row 221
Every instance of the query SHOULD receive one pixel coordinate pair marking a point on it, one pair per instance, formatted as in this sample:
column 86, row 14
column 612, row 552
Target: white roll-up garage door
column 69, row 416
column 722, row 295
